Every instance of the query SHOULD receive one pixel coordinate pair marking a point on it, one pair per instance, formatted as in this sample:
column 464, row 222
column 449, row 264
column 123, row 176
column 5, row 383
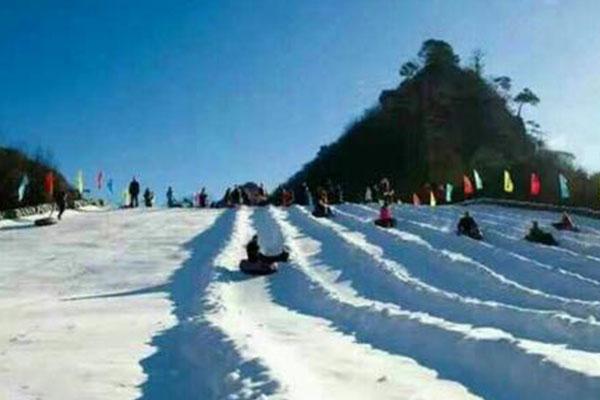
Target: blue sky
column 209, row 93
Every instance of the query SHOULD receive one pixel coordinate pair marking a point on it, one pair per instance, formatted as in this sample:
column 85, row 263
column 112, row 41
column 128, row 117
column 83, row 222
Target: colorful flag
column 535, row 185
column 99, row 179
column 49, row 184
column 509, row 186
column 125, row 197
column 23, row 187
column 467, row 186
column 478, row 181
column 432, row 201
column 449, row 190
column 79, row 182
column 416, row 200
column 109, row 185
column 564, row 187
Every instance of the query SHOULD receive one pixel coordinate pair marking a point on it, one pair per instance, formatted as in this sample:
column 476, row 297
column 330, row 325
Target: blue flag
column 23, row 187
column 109, row 185
column 564, row 187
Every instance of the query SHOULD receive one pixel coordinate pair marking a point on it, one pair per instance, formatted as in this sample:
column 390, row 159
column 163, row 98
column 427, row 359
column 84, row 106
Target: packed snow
column 150, row 303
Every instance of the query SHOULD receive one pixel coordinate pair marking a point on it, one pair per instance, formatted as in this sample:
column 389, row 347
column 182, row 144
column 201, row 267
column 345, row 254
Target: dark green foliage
column 409, row 69
column 526, row 96
column 441, row 122
column 437, row 53
column 14, row 164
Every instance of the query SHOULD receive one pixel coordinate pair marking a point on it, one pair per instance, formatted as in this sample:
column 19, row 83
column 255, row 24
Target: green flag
column 564, row 187
column 79, row 182
column 449, row 189
column 478, row 181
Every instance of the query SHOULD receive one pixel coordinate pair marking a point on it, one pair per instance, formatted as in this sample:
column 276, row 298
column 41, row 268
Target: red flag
column 49, row 183
column 467, row 186
column 535, row 185
column 416, row 200
column 99, row 179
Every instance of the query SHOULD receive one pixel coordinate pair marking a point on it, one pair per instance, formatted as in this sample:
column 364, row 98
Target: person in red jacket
column 386, row 219
column 287, row 198
column 565, row 223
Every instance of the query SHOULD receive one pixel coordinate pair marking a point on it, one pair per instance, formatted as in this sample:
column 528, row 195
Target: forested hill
column 442, row 121
column 14, row 165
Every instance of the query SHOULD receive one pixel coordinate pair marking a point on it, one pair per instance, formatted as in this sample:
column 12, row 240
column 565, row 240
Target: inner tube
column 45, row 221
column 257, row 268
column 386, row 223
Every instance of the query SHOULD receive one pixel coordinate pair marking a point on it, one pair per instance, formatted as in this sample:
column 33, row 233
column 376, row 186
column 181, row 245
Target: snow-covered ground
column 150, row 304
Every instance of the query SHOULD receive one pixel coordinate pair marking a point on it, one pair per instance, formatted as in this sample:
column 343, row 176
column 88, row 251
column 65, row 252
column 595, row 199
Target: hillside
column 151, row 304
column 442, row 121
column 14, row 164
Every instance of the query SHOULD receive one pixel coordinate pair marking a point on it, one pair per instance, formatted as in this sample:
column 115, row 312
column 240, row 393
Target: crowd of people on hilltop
column 319, row 200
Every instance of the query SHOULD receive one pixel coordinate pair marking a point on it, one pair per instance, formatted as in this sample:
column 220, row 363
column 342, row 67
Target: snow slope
column 150, row 304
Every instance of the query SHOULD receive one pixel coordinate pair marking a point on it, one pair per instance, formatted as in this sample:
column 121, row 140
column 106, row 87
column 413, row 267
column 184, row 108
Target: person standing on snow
column 170, row 199
column 386, row 191
column 238, row 198
column 322, row 209
column 368, row 195
column 305, row 197
column 148, row 197
column 60, row 198
column 339, row 194
column 202, row 198
column 262, row 196
column 134, row 192
column 287, row 197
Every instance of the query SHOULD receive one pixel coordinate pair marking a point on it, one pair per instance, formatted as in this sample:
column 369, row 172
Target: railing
column 39, row 209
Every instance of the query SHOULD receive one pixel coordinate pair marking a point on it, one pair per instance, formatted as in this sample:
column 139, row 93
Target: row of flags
column 49, row 180
column 79, row 183
column 535, row 187
column 468, row 188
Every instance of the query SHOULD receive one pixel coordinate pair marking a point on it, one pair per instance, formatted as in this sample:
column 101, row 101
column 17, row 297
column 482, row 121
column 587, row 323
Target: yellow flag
column 432, row 201
column 125, row 197
column 509, row 186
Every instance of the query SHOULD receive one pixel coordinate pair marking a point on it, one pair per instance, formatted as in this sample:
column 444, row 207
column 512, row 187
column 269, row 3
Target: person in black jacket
column 254, row 254
column 537, row 235
column 148, row 197
column 258, row 263
column 467, row 226
column 134, row 192
column 61, row 202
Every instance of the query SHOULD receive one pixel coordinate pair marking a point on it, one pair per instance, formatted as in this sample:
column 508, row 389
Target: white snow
column 150, row 304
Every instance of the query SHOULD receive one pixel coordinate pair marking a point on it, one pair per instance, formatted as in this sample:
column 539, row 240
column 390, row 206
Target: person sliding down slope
column 386, row 220
column 322, row 209
column 537, row 235
column 467, row 226
column 259, row 264
column 565, row 224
